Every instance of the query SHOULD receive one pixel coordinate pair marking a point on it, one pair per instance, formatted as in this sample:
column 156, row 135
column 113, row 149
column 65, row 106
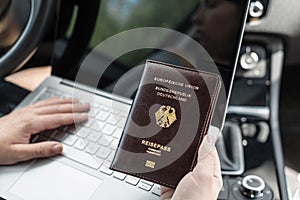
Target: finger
column 217, row 165
column 54, row 101
column 64, row 108
column 166, row 193
column 217, row 175
column 206, row 159
column 206, row 146
column 46, row 122
column 204, row 170
column 37, row 150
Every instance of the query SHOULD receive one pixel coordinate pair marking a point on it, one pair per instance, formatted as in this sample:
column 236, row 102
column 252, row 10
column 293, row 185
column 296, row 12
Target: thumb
column 37, row 150
column 206, row 146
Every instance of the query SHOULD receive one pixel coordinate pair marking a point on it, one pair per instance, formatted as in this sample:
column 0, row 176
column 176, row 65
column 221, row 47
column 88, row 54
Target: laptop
column 82, row 171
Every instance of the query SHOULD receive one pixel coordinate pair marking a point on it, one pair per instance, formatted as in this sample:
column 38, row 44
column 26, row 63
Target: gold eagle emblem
column 165, row 116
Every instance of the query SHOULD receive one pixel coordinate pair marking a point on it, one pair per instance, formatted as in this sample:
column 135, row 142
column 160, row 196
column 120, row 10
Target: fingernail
column 80, row 117
column 87, row 105
column 57, row 149
column 75, row 100
column 206, row 146
column 82, row 105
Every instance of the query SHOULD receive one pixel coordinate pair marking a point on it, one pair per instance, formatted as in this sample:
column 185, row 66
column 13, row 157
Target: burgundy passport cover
column 170, row 115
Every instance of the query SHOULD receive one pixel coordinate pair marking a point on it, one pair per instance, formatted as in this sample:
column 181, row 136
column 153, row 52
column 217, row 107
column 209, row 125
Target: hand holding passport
column 205, row 181
column 169, row 117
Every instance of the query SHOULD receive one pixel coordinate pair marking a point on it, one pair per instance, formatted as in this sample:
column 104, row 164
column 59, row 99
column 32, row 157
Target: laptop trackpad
column 53, row 180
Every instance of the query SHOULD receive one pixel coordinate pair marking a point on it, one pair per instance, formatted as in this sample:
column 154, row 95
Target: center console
column 255, row 167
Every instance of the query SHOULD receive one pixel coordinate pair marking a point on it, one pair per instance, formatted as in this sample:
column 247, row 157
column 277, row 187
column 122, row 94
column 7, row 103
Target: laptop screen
column 216, row 25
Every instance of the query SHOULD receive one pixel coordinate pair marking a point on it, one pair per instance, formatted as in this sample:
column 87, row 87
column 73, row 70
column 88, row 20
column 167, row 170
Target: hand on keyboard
column 204, row 182
column 17, row 128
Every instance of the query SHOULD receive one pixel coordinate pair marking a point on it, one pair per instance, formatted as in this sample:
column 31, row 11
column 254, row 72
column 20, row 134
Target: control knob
column 252, row 187
column 256, row 9
column 249, row 59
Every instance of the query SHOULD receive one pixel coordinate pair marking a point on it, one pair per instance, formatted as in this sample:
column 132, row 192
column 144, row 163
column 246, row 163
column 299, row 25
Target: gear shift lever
column 230, row 149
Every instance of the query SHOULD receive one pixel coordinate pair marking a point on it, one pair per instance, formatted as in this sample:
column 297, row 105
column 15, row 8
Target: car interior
column 259, row 144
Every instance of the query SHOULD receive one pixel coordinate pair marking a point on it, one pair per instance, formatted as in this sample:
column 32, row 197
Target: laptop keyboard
column 94, row 142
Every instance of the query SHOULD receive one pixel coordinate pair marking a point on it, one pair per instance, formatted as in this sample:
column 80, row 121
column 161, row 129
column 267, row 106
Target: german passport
column 169, row 117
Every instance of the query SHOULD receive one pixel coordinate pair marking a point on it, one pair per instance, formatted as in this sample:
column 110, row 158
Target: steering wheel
column 23, row 24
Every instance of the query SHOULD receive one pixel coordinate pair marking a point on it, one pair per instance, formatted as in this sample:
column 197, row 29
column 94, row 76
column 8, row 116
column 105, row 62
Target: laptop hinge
column 96, row 91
